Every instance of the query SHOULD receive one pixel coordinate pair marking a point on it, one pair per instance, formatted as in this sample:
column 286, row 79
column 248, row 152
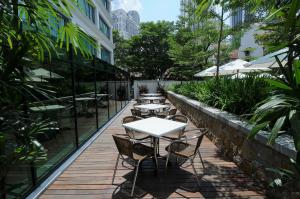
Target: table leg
column 155, row 152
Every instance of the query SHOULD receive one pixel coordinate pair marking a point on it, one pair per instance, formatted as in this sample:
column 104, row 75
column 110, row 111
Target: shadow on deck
column 91, row 174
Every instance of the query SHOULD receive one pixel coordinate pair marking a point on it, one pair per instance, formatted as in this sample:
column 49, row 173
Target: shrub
column 143, row 89
column 237, row 96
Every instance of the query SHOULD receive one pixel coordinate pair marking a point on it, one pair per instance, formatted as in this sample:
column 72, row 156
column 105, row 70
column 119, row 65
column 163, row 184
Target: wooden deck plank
column 90, row 175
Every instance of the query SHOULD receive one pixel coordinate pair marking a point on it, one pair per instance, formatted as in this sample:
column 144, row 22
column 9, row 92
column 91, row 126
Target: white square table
column 152, row 107
column 151, row 99
column 156, row 127
column 151, row 94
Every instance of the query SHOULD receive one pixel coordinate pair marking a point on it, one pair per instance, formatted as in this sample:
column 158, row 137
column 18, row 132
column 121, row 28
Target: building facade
column 249, row 49
column 94, row 17
column 183, row 6
column 127, row 23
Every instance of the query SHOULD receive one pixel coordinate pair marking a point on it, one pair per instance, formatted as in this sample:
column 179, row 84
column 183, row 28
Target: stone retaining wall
column 229, row 134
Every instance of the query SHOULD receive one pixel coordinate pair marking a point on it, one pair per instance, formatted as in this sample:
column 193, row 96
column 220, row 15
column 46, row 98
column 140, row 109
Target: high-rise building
column 237, row 17
column 94, row 17
column 183, row 6
column 126, row 23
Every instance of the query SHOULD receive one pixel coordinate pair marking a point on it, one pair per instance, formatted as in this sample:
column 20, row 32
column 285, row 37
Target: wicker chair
column 139, row 113
column 136, row 104
column 133, row 134
column 179, row 134
column 132, row 152
column 173, row 111
column 139, row 101
column 180, row 148
column 162, row 101
column 165, row 113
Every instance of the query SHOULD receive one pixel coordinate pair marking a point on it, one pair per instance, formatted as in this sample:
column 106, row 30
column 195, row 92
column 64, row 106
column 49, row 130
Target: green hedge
column 238, row 96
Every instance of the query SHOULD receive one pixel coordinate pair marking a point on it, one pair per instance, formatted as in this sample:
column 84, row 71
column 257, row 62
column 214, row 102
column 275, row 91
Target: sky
column 151, row 10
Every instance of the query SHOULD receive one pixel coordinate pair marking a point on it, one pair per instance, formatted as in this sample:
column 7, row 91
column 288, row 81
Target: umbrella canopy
column 226, row 69
column 207, row 72
column 269, row 61
column 43, row 73
column 253, row 69
column 36, row 79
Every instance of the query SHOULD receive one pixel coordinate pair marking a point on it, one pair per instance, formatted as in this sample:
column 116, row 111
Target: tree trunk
column 219, row 41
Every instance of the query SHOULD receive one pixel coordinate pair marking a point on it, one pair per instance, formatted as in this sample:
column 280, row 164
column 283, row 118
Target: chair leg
column 135, row 176
column 195, row 172
column 115, row 171
column 201, row 159
column 168, row 157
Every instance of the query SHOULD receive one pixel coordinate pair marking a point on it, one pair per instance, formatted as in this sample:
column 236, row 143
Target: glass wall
column 74, row 97
column 87, row 9
column 104, row 28
column 105, row 54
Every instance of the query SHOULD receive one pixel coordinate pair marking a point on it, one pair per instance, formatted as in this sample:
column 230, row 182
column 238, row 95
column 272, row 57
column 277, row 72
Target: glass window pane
column 85, row 99
column 105, row 55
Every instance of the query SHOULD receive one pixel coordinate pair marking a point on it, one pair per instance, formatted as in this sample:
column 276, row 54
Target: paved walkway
column 89, row 177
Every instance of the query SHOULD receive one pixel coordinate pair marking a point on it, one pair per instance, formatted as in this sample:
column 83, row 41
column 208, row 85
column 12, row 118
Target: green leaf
column 9, row 41
column 292, row 15
column 273, row 14
column 276, row 128
column 204, row 6
column 278, row 84
column 295, row 124
column 297, row 71
column 256, row 129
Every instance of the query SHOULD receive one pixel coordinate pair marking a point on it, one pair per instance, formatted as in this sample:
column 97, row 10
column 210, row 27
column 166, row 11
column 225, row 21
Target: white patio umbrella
column 253, row 70
column 226, row 69
column 209, row 72
column 269, row 61
column 43, row 73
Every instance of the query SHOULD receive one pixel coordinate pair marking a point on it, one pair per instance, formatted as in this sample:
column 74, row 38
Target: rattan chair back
column 136, row 104
column 200, row 138
column 162, row 101
column 139, row 101
column 136, row 112
column 124, row 145
column 180, row 118
column 172, row 111
column 128, row 119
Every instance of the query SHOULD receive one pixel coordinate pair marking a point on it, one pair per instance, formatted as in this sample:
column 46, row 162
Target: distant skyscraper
column 184, row 4
column 126, row 23
column 237, row 17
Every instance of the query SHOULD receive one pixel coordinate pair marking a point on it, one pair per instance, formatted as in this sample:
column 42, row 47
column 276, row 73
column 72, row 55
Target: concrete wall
column 151, row 85
column 229, row 134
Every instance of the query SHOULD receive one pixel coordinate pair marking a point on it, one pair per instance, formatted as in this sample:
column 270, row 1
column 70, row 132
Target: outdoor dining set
column 153, row 120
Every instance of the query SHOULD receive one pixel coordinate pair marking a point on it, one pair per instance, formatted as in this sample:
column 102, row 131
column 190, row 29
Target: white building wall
column 248, row 41
column 93, row 30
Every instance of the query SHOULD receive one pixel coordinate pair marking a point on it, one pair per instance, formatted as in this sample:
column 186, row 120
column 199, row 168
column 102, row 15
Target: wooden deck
column 89, row 177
